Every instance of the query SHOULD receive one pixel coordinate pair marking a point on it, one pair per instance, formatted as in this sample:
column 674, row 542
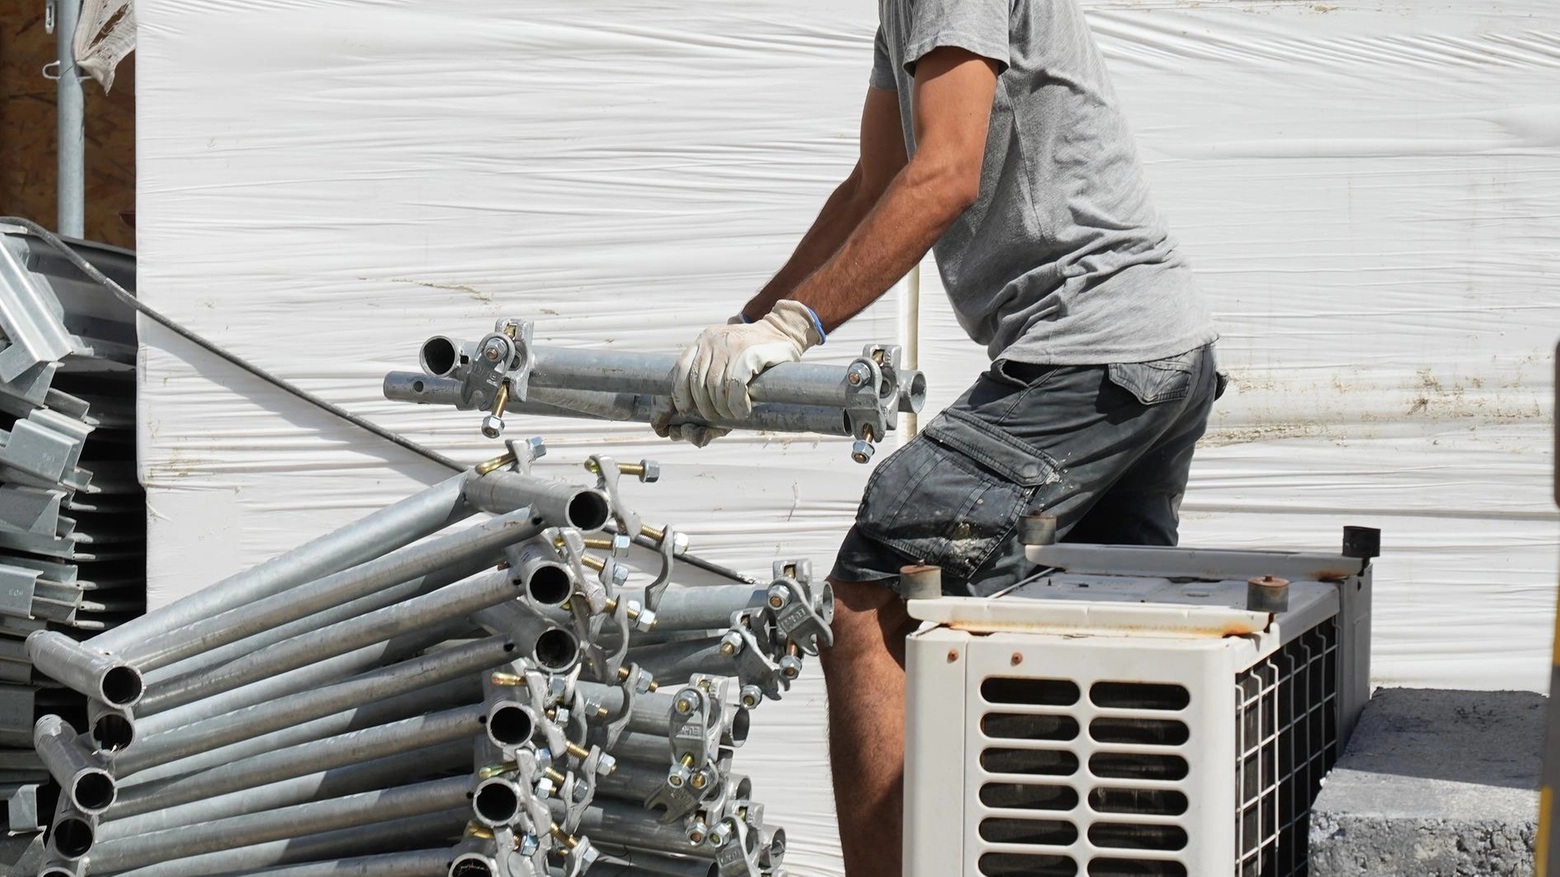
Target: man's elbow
column 952, row 185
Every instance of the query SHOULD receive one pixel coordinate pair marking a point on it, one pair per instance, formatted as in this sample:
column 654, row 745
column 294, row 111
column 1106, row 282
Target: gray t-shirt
column 1062, row 259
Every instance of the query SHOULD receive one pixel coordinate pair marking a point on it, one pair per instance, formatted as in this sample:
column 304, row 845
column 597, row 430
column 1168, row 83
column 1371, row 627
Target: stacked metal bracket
column 417, row 694
column 506, row 372
column 72, row 516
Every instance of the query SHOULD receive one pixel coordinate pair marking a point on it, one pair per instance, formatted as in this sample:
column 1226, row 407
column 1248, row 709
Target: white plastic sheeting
column 1367, row 189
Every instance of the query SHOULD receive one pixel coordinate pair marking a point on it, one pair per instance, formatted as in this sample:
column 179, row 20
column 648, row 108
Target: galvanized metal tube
column 253, row 721
column 288, row 789
column 361, row 606
column 650, row 374
column 112, row 728
column 70, row 127
column 683, row 659
column 450, row 603
column 82, row 777
column 547, row 645
column 74, row 833
column 618, row 407
column 559, row 503
column 418, row 863
column 462, row 691
column 700, row 608
column 648, row 749
column 385, row 530
column 642, row 862
column 304, row 678
column 84, row 669
column 403, row 564
column 411, row 833
column 351, row 810
column 496, row 802
column 652, row 710
column 382, row 741
column 612, row 822
column 632, row 781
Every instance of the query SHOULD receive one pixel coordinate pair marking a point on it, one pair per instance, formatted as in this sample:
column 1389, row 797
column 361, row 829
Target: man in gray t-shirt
column 990, row 135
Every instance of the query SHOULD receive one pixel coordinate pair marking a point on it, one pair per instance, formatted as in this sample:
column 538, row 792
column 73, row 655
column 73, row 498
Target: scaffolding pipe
column 401, row 565
column 559, row 503
column 411, row 833
column 382, row 741
column 389, row 528
column 448, row 604
column 84, row 669
column 700, row 607
column 651, row 863
column 361, row 606
column 302, row 819
column 619, row 824
column 417, row 863
column 89, row 787
column 70, row 125
column 288, row 789
column 441, row 666
column 462, row 691
column 302, row 679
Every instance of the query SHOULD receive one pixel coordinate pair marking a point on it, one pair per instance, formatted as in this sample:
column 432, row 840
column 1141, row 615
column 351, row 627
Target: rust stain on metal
column 1017, row 659
column 953, row 655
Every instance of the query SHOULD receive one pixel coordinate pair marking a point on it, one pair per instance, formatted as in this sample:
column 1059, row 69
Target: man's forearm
column 838, row 218
column 919, row 205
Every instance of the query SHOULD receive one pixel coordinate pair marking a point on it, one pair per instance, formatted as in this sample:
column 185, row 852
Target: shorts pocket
column 1159, row 380
column 952, row 496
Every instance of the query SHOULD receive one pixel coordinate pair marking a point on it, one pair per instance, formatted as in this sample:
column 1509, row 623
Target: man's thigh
column 1055, row 438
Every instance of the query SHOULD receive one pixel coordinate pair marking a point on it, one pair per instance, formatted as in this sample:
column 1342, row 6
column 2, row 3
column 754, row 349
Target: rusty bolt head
column 1016, row 659
column 953, row 655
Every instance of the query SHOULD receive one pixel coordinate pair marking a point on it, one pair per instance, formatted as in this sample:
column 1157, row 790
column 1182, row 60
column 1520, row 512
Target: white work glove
column 711, row 378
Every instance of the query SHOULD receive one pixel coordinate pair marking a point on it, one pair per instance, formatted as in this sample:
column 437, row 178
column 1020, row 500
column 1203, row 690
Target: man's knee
column 869, row 620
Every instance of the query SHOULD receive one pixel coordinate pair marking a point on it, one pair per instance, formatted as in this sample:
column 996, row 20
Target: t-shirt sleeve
column 977, row 26
column 882, row 67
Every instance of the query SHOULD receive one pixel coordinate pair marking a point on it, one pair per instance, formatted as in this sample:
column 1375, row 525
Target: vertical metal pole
column 72, row 188
column 912, row 340
column 1548, row 853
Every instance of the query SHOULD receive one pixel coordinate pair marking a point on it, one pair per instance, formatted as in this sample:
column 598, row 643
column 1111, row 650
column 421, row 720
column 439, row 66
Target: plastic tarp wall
column 1367, row 189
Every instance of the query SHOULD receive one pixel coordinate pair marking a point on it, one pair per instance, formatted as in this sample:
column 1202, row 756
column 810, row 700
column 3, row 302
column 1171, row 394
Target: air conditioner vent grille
column 1027, row 865
column 1286, row 729
column 1139, row 696
column 1021, row 796
column 1029, row 692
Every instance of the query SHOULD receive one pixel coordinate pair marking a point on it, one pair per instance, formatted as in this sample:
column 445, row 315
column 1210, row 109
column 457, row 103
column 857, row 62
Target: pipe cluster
column 492, row 677
column 72, row 516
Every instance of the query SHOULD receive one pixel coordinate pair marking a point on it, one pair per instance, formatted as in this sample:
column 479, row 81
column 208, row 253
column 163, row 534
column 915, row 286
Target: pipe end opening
column 73, row 837
column 915, row 394
column 113, row 732
column 509, row 725
column 471, row 866
column 122, row 686
column 93, row 791
column 549, row 585
column 740, row 723
column 497, row 803
column 439, row 356
column 556, row 650
column 589, row 511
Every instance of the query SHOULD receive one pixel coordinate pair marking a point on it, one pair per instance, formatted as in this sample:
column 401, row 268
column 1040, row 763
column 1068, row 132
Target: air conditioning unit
column 1124, row 712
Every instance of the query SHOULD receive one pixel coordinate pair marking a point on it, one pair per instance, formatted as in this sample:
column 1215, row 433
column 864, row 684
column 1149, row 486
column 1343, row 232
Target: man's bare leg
column 865, row 675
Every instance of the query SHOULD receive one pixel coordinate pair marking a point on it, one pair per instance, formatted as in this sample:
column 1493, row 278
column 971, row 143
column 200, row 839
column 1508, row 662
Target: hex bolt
column 778, row 595
column 721, row 833
column 606, row 765
column 545, row 787
column 576, row 750
column 492, row 426
column 790, row 666
column 697, row 831
column 751, row 696
column 558, row 835
column 527, row 845
column 647, row 471
column 679, row 774
column 687, row 701
column 862, row 451
column 537, row 446
column 730, row 644
column 858, row 374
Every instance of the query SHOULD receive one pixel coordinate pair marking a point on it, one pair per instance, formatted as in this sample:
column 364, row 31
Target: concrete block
column 1435, row 783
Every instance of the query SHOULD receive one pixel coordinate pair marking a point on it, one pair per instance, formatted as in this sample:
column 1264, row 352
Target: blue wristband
column 817, row 324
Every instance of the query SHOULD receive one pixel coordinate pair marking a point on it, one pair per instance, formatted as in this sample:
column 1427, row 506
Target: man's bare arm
column 882, row 156
column 952, row 98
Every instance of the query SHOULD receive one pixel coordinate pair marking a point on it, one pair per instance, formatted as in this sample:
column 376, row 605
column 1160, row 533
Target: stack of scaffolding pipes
column 72, row 515
column 417, row 694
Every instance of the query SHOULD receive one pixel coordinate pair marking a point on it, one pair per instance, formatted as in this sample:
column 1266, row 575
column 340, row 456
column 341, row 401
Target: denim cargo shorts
column 1106, row 449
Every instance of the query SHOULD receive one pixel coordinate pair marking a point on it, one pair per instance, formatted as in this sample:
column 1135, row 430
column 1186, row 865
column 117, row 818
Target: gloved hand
column 712, row 377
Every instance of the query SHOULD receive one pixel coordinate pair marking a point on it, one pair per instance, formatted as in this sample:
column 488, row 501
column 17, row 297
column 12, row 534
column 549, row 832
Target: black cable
column 150, row 313
column 129, row 300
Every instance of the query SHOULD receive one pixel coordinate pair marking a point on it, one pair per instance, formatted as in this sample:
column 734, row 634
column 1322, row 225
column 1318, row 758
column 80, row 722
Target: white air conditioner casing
column 1124, row 714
